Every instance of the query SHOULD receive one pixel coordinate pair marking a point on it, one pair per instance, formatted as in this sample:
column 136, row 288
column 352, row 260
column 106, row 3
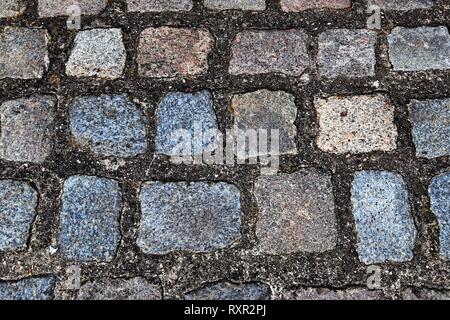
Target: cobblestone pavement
column 93, row 207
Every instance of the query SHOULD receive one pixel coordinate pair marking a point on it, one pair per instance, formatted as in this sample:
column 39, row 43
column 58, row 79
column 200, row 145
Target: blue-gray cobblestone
column 439, row 191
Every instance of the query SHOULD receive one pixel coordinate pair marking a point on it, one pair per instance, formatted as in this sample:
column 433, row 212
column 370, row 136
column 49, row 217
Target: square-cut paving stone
column 89, row 221
column 108, row 125
column 235, row 4
column 347, row 53
column 18, row 202
column 327, row 294
column 262, row 52
column 11, row 8
column 430, row 121
column 23, row 53
column 40, row 288
column 403, row 5
column 120, row 289
column 27, row 126
column 416, row 49
column 382, row 212
column 159, row 5
column 97, row 53
column 231, row 291
column 296, row 213
column 301, row 5
column 167, row 52
column 55, row 8
column 184, row 120
column 267, row 110
column 439, row 191
column 197, row 217
column 357, row 124
column 425, row 294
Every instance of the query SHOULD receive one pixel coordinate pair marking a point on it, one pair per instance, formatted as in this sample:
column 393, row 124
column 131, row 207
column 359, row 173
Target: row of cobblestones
column 87, row 182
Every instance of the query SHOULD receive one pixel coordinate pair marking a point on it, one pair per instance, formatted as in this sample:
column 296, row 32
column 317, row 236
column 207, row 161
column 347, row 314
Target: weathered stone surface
column 327, row 294
column 27, row 126
column 262, row 52
column 159, row 5
column 422, row 48
column 195, row 217
column 40, row 288
column 347, row 53
column 386, row 230
column 231, row 291
column 430, row 121
column 167, row 52
column 55, row 8
column 108, row 125
column 356, row 124
column 235, row 4
column 18, row 202
column 403, row 5
column 120, row 289
column 97, row 53
column 23, row 53
column 267, row 110
column 300, row 5
column 425, row 294
column 439, row 191
column 11, row 8
column 89, row 221
column 192, row 112
column 296, row 213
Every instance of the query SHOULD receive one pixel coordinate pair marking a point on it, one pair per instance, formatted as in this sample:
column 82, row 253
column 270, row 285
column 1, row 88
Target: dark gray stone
column 40, row 288
column 23, row 53
column 89, row 221
column 439, row 191
column 403, row 5
column 235, row 4
column 416, row 49
column 430, row 121
column 327, row 294
column 18, row 202
column 191, row 112
column 347, row 53
column 159, row 5
column 230, row 291
column 27, row 126
column 195, row 217
column 108, row 125
column 386, row 230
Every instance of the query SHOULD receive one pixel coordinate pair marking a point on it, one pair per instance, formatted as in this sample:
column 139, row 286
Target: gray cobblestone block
column 439, row 191
column 193, row 112
column 347, row 53
column 196, row 217
column 412, row 294
column 120, row 289
column 173, row 52
column 327, row 294
column 39, row 288
column 23, row 53
column 416, row 49
column 89, row 221
column 27, row 126
column 231, row 291
column 108, row 125
column 430, row 121
column 18, row 202
column 403, row 5
column 97, row 53
column 356, row 124
column 55, row 8
column 296, row 213
column 267, row 110
column 382, row 212
column 263, row 52
column 235, row 4
column 301, row 5
column 159, row 5
column 11, row 8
